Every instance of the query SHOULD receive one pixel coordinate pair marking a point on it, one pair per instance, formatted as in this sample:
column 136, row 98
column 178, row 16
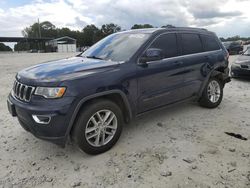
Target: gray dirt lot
column 181, row 146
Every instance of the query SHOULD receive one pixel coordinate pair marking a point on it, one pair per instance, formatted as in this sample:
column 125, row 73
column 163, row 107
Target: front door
column 160, row 82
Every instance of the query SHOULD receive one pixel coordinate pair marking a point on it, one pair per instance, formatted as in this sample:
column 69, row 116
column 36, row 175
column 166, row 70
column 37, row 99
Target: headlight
column 50, row 92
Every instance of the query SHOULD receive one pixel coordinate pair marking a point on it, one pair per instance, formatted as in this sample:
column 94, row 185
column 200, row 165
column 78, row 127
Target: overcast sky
column 225, row 17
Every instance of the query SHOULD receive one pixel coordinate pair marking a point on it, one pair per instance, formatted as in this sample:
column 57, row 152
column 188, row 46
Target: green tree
column 222, row 39
column 234, row 38
column 78, row 35
column 3, row 47
column 167, row 26
column 22, row 46
column 47, row 29
column 141, row 26
column 91, row 34
column 108, row 29
column 37, row 30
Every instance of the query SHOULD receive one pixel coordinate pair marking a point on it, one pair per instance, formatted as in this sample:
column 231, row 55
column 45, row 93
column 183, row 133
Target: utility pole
column 39, row 30
column 39, row 33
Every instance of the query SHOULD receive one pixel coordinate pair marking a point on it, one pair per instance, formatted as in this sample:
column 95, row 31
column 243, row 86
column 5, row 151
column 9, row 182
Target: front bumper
column 59, row 111
column 237, row 71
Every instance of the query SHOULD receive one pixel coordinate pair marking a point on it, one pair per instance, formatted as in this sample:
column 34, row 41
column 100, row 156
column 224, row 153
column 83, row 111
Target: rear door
column 194, row 60
column 212, row 49
column 160, row 82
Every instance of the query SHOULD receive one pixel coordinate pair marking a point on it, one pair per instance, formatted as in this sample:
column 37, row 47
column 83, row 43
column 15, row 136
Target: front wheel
column 212, row 93
column 98, row 127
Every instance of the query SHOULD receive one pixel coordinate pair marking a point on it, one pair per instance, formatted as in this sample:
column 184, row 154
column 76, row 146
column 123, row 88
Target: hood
column 65, row 69
column 243, row 59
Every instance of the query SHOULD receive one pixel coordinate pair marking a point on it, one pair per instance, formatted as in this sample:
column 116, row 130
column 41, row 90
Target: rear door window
column 167, row 43
column 209, row 43
column 190, row 43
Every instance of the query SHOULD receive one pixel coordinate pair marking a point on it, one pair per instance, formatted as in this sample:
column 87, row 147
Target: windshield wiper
column 79, row 55
column 94, row 57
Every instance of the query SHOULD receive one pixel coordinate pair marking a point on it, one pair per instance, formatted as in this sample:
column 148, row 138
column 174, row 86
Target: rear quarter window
column 209, row 43
column 191, row 43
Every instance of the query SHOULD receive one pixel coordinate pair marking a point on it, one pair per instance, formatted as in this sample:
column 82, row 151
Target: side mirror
column 152, row 54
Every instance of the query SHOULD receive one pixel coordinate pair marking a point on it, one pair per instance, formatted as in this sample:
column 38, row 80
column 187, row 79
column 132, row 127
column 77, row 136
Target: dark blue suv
column 89, row 97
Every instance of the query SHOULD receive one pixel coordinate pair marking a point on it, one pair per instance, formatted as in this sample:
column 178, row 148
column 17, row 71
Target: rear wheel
column 98, row 127
column 212, row 93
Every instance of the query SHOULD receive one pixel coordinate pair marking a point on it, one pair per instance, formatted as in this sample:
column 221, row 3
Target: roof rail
column 184, row 28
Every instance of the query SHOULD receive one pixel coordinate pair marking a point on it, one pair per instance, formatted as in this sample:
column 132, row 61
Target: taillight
column 227, row 58
column 227, row 55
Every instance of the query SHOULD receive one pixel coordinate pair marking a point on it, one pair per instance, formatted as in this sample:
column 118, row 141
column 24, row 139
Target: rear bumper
column 55, row 130
column 225, row 76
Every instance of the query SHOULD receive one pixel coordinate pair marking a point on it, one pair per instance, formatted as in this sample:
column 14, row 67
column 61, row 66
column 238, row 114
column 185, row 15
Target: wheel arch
column 220, row 72
column 116, row 96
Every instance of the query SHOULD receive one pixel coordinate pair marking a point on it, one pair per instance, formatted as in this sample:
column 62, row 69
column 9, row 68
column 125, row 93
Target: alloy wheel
column 101, row 128
column 213, row 91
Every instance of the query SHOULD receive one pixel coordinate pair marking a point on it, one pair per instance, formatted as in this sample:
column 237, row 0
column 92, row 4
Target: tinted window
column 168, row 44
column 209, row 43
column 191, row 43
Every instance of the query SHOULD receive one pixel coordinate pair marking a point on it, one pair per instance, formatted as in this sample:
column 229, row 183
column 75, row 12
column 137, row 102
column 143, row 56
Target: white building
column 62, row 44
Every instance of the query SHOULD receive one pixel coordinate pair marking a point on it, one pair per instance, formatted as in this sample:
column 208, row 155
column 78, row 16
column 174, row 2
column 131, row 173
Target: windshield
column 247, row 52
column 116, row 47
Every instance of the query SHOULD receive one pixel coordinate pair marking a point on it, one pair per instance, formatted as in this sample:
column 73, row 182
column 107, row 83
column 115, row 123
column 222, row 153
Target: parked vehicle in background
column 226, row 45
column 89, row 97
column 234, row 47
column 33, row 51
column 241, row 66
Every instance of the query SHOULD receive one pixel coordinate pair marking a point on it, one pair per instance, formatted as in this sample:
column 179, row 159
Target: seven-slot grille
column 22, row 91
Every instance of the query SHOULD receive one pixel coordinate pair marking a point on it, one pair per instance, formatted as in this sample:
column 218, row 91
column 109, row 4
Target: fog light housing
column 41, row 119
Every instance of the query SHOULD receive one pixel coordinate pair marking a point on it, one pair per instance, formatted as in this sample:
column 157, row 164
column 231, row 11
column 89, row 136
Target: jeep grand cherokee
column 89, row 97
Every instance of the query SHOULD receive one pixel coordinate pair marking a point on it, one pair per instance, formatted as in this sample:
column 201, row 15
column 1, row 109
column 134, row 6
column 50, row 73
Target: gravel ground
column 181, row 146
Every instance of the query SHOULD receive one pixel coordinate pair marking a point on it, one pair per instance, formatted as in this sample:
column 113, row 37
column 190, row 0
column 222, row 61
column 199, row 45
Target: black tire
column 78, row 133
column 205, row 101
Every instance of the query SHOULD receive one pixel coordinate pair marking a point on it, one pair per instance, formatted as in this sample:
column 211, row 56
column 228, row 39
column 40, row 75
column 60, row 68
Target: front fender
column 85, row 99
